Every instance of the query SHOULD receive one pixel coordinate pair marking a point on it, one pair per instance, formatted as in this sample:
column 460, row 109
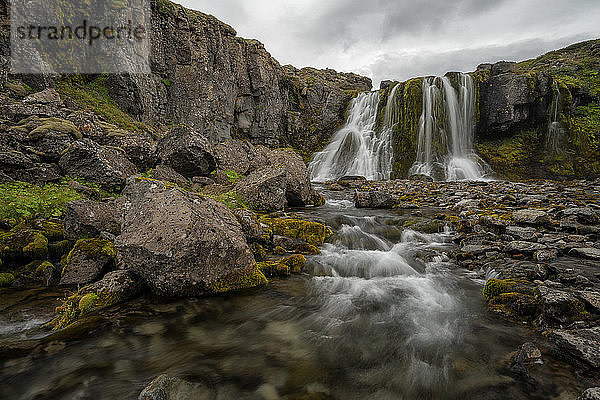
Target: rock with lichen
column 183, row 244
column 86, row 262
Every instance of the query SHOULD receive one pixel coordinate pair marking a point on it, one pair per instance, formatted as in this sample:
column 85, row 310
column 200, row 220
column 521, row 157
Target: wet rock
column 517, row 246
column 420, row 178
column 373, row 199
column 120, row 285
column 591, row 298
column 182, row 244
column 165, row 387
column 23, row 245
column 105, row 166
column 264, row 190
column 559, row 306
column 531, row 217
column 187, row 151
column 87, row 218
column 294, row 245
column 527, row 355
column 579, row 344
column 590, row 394
column 589, row 253
column 87, row 261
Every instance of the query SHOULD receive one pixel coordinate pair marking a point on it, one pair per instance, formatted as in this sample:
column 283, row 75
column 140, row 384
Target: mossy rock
column 239, row 279
column 274, row 268
column 496, row 287
column 43, row 268
column 259, row 251
column 17, row 88
column 79, row 305
column 296, row 263
column 87, row 302
column 23, row 245
column 279, row 250
column 6, row 279
column 312, row 233
column 93, row 249
column 59, row 249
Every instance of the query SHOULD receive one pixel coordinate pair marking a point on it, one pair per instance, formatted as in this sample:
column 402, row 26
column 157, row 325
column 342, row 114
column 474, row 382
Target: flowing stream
column 445, row 142
column 382, row 314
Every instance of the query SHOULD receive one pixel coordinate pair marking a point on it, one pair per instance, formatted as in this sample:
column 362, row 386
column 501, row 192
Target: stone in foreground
column 182, row 244
column 165, row 387
column 581, row 344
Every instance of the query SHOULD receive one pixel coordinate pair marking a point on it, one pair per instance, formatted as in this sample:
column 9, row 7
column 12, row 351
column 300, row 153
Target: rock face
column 87, row 218
column 225, row 86
column 184, row 245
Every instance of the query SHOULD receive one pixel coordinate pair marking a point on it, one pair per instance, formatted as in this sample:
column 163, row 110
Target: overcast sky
column 400, row 39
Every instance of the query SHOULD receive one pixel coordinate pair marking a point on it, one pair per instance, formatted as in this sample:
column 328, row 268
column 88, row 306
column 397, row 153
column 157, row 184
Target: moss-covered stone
column 6, row 279
column 511, row 298
column 87, row 302
column 92, row 249
column 495, row 287
column 23, row 245
column 274, row 268
column 295, row 263
column 259, row 251
column 279, row 250
column 21, row 200
column 239, row 279
column 79, row 305
column 43, row 268
column 312, row 233
column 54, row 124
column 59, row 249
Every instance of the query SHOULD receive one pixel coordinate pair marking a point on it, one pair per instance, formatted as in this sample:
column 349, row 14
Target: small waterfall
column 555, row 131
column 445, row 144
column 356, row 149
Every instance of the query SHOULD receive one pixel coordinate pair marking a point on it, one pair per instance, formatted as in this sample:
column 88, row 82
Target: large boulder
column 87, row 218
column 105, row 166
column 234, row 155
column 264, row 189
column 580, row 345
column 187, row 152
column 182, row 244
column 298, row 189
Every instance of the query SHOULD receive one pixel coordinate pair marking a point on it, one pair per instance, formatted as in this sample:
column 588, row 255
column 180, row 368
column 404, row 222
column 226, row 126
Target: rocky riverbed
column 537, row 243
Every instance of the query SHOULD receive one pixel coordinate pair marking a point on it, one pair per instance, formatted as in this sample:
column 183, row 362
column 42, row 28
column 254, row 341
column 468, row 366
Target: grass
column 21, row 200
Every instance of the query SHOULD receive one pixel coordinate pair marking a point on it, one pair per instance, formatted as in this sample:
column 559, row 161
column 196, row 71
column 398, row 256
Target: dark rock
column 187, row 151
column 250, row 225
column 264, row 190
column 559, row 306
column 420, row 178
column 589, row 253
column 298, row 188
column 120, row 285
column 105, row 166
column 165, row 173
column 14, row 160
column 39, row 173
column 592, row 298
column 182, row 244
column 87, row 261
column 584, row 215
column 86, row 218
column 545, row 255
column 169, row 388
column 521, row 233
column 579, row 345
column 373, row 199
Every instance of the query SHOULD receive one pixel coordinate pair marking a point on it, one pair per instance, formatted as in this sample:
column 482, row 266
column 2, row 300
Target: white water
column 555, row 130
column 356, row 149
column 445, row 143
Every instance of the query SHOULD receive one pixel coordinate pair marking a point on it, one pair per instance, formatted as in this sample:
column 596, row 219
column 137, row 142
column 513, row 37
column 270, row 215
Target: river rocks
column 559, row 306
column 105, row 166
column 374, row 199
column 590, row 253
column 187, row 151
column 265, row 189
column 531, row 217
column 87, row 218
column 584, row 215
column 165, row 387
column 521, row 233
column 517, row 246
column 580, row 345
column 185, row 245
column 87, row 261
column 234, row 155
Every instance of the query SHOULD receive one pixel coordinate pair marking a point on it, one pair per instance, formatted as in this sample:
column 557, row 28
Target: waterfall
column 357, row 149
column 555, row 130
column 445, row 143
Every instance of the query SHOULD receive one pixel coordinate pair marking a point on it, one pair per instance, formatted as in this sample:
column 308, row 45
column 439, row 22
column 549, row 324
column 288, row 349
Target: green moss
column 295, row 263
column 238, row 280
column 233, row 177
column 79, row 305
column 93, row 249
column 406, row 132
column 231, row 199
column 23, row 244
column 6, row 279
column 279, row 250
column 95, row 97
column 312, row 233
column 43, row 267
column 274, row 268
column 21, row 200
column 59, row 249
column 259, row 251
column 166, row 82
column 495, row 287
column 17, row 88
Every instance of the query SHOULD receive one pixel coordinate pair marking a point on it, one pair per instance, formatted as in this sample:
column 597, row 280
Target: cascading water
column 357, row 149
column 445, row 144
column 555, row 130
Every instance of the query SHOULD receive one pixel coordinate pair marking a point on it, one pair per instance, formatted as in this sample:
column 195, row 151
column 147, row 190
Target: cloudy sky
column 399, row 39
